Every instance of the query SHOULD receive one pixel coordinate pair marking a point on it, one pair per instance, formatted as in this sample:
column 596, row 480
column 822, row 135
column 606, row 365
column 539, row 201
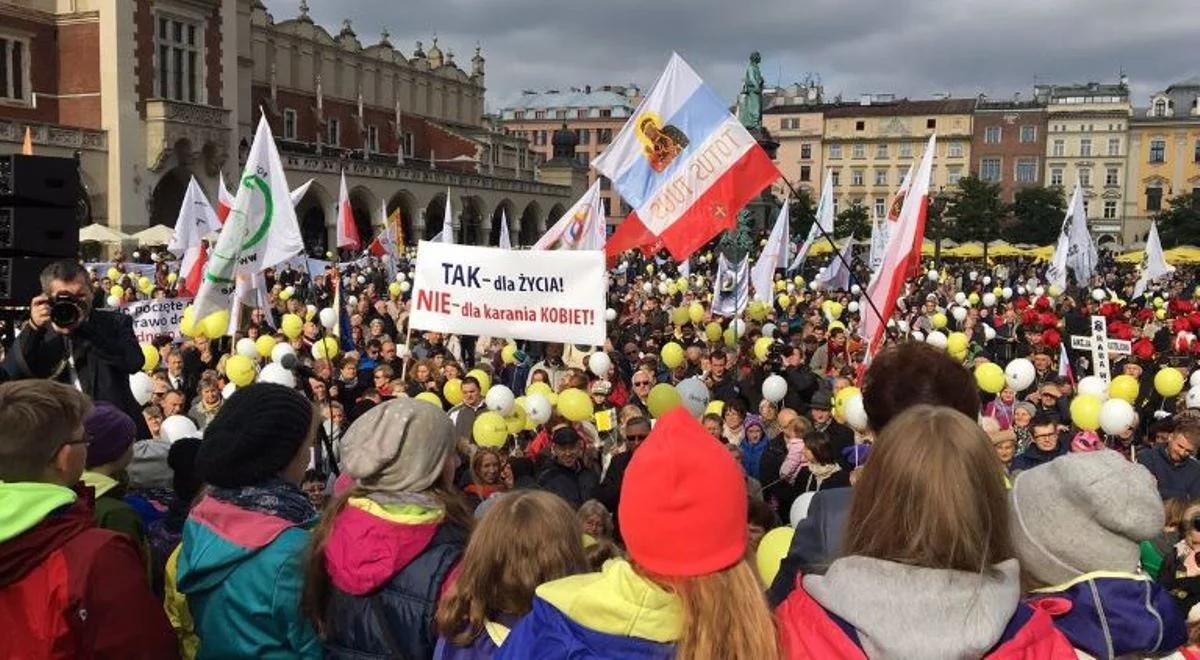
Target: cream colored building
column 799, row 129
column 1086, row 143
column 870, row 146
column 1164, row 155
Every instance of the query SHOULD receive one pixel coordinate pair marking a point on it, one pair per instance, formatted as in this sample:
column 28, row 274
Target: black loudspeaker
column 39, row 231
column 39, row 181
column 19, row 279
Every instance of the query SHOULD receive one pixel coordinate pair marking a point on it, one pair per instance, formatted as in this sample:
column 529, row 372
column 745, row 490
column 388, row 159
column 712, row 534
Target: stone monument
column 753, row 218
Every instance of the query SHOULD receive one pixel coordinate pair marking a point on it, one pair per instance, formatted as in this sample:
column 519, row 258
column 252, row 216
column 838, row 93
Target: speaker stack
column 39, row 202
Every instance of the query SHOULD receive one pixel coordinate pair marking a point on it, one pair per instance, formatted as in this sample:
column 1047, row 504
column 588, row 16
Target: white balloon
column 1008, row 292
column 903, row 326
column 989, row 333
column 972, row 275
column 352, row 300
column 814, row 285
column 774, row 388
column 936, row 338
column 1040, row 291
column 137, row 255
column 499, row 399
column 1193, row 398
column 290, row 290
column 1116, row 416
column 537, row 408
column 228, row 390
column 247, row 348
column 987, row 280
column 113, row 301
column 275, row 373
column 1194, row 381
column 610, row 314
column 853, row 307
column 402, row 351
column 959, row 313
column 1093, row 385
column 739, row 328
column 400, row 277
column 1099, row 295
column 177, row 426
column 281, row 349
column 694, row 394
column 960, row 298
column 662, row 288
column 855, row 413
column 989, row 299
column 405, row 287
column 791, row 287
column 855, row 289
column 1020, row 291
column 648, row 287
column 1019, row 374
column 599, row 363
column 328, row 317
column 932, row 275
column 362, row 280
column 917, row 335
column 141, row 386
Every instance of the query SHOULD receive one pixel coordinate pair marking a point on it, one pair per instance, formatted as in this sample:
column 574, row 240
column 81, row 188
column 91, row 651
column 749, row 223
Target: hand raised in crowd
column 39, row 311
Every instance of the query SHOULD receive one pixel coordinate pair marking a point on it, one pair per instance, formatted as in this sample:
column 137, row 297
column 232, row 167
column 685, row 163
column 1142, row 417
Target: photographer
column 802, row 382
column 67, row 341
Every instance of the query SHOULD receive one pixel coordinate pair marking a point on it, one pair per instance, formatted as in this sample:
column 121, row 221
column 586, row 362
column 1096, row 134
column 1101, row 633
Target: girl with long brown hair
column 526, row 538
column 928, row 567
column 686, row 590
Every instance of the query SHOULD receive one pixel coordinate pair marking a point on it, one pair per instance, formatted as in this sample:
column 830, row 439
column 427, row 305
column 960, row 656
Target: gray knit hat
column 399, row 446
column 1083, row 512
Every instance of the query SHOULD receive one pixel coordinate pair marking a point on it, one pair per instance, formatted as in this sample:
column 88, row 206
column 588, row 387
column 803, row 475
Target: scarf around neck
column 273, row 497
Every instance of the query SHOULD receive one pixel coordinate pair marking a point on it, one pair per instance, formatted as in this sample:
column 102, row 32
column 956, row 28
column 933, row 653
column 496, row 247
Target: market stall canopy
column 155, row 235
column 98, row 233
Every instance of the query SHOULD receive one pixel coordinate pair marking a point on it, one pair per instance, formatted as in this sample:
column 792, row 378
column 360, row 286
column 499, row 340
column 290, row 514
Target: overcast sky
column 913, row 48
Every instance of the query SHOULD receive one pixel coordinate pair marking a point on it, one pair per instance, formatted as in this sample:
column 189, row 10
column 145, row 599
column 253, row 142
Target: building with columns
column 1164, row 154
column 194, row 78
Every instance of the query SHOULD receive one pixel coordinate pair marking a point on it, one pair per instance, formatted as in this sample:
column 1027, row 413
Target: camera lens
column 64, row 313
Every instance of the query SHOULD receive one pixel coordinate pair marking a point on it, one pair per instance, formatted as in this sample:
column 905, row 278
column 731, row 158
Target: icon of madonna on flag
column 684, row 163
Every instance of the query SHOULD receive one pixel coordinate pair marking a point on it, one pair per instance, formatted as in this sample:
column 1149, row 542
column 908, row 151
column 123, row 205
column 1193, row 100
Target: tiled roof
column 904, row 107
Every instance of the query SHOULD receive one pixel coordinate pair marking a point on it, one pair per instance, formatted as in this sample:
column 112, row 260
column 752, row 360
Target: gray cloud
column 907, row 47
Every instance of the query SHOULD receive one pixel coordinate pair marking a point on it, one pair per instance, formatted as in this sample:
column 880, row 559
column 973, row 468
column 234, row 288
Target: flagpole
column 853, row 277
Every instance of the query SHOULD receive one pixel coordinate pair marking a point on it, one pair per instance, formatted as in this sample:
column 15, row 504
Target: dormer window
column 1162, row 107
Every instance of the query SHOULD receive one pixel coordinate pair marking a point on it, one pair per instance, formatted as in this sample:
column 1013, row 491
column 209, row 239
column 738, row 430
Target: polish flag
column 224, row 199
column 347, row 231
column 903, row 252
column 195, row 223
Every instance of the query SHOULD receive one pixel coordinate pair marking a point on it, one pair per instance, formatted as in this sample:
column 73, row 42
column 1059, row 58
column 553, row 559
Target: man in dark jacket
column 1047, row 445
column 609, row 490
column 94, row 351
column 801, row 381
column 816, row 543
column 1174, row 463
column 564, row 473
column 820, row 411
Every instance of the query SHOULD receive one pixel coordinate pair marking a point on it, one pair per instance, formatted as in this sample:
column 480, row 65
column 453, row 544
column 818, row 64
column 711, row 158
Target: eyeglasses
column 635, row 438
column 1046, row 436
column 641, row 383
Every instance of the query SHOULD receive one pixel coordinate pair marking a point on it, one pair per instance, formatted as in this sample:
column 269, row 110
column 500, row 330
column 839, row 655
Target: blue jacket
column 611, row 614
column 1180, row 481
column 243, row 573
column 1109, row 615
column 1033, row 457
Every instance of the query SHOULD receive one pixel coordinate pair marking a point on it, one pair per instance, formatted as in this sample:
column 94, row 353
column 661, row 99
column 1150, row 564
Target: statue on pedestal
column 751, row 106
column 737, row 243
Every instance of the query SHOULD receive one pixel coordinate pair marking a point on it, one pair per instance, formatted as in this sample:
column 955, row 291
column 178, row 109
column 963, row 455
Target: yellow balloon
column 552, row 397
column 649, row 269
column 490, row 429
column 939, row 320
column 452, row 391
column 696, row 312
column 516, row 421
column 998, row 292
column 781, row 285
column 762, row 346
column 172, row 278
column 114, row 274
column 429, row 397
column 187, row 324
column 715, row 407
column 1124, row 387
column 712, row 331
column 216, row 324
column 798, row 281
column 240, row 370
column 1085, row 412
column 1160, row 314
column 663, row 399
column 772, row 549
column 508, row 354
column 116, row 291
column 730, row 338
column 989, row 377
column 326, row 348
column 1158, row 302
column 783, row 301
column 1168, row 381
column 671, row 288
column 679, row 316
column 150, row 357
column 575, row 405
column 845, row 394
column 291, row 325
column 539, row 388
column 957, row 342
column 756, row 311
column 836, row 325
column 285, row 295
column 958, row 356
column 834, row 309
column 672, row 355
column 264, row 345
column 681, row 284
column 973, row 299
column 394, row 289
column 485, row 381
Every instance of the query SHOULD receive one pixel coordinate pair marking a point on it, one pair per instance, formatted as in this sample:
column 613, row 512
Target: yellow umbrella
column 1184, row 254
column 927, row 248
column 1003, row 249
column 1044, row 252
column 965, row 251
column 1134, row 257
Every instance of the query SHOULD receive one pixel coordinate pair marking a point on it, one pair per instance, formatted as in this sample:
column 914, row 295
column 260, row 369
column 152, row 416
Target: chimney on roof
column 587, row 89
column 1016, row 97
column 864, row 99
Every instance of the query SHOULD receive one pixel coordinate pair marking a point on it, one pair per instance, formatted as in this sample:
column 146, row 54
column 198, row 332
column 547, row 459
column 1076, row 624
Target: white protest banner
column 154, row 318
column 557, row 296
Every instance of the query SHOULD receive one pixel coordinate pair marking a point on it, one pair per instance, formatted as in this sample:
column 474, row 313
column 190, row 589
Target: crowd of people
column 701, row 486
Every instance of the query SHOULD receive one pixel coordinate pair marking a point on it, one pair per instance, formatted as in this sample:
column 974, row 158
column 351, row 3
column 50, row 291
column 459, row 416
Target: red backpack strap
column 807, row 631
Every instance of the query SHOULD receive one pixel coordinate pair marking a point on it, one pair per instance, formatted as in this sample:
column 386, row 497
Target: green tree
column 975, row 211
column 853, row 221
column 1037, row 216
column 1179, row 223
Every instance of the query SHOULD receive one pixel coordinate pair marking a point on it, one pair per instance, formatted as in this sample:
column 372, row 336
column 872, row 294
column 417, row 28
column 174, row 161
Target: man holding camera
column 67, row 341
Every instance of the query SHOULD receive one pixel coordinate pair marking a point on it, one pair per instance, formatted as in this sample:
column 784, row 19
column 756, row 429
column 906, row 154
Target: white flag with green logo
column 260, row 232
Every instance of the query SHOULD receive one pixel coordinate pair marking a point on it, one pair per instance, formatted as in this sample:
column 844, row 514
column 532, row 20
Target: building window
column 1056, row 176
column 805, row 173
column 289, row 124
column 953, row 176
column 881, row 151
column 955, row 150
column 1114, row 146
column 1158, row 151
column 1110, row 210
column 989, row 169
column 560, row 114
column 880, row 207
column 1027, row 170
column 1160, row 108
column 806, row 151
column 931, row 124
column 860, row 125
column 1196, row 150
column 407, row 143
column 1086, row 207
column 603, row 135
column 856, row 177
column 373, row 138
column 1059, row 148
column 881, row 177
column 1112, row 176
column 1028, row 134
column 991, row 135
column 607, row 203
column 1085, row 177
column 835, row 151
column 905, row 150
column 14, row 69
column 1154, row 198
column 335, row 133
column 859, row 151
column 834, row 177
column 584, row 135
column 539, row 114
column 179, row 49
column 1085, row 146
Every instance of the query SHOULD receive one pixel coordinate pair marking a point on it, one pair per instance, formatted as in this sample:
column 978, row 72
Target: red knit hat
column 683, row 501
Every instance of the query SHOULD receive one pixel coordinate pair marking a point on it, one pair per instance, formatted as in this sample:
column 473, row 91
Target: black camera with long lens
column 65, row 310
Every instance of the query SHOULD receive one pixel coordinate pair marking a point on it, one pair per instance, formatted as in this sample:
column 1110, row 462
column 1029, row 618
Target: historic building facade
column 1008, row 144
column 197, row 75
column 799, row 130
column 1164, row 154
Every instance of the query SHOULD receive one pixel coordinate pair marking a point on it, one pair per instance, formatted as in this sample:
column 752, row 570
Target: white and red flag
column 902, row 255
column 347, row 231
column 684, row 163
column 195, row 223
column 224, row 198
column 580, row 228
